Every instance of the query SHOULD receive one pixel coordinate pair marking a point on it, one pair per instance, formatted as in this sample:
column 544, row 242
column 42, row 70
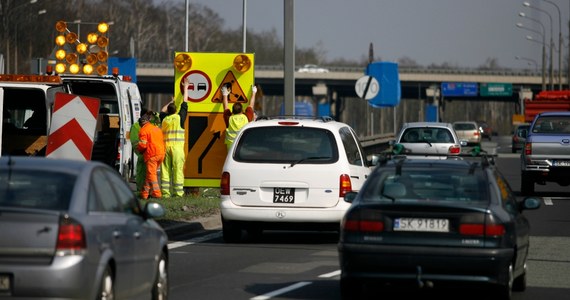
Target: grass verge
column 190, row 207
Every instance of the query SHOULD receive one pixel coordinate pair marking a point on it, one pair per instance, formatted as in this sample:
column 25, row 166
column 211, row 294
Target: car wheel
column 527, row 184
column 505, row 290
column 519, row 284
column 160, row 286
column 350, row 289
column 231, row 232
column 107, row 287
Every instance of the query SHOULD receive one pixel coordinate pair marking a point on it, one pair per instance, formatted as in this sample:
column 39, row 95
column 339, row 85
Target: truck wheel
column 527, row 184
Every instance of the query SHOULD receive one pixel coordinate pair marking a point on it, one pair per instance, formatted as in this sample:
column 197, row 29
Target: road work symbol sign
column 73, row 125
column 236, row 93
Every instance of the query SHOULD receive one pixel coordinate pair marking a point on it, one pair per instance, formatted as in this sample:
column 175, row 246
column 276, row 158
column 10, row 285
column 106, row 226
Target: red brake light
column 481, row 229
column 70, row 236
column 288, row 123
column 528, row 148
column 364, row 226
column 345, row 185
column 455, row 149
column 225, row 184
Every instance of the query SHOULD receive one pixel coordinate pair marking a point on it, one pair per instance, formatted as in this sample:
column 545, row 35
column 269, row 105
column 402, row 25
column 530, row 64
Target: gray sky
column 461, row 32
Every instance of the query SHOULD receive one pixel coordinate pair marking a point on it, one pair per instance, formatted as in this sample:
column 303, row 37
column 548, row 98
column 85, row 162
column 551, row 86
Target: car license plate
column 561, row 163
column 283, row 195
column 421, row 224
column 4, row 283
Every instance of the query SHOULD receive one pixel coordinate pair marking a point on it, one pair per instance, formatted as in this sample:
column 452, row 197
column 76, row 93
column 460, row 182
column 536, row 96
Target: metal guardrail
column 360, row 69
column 376, row 143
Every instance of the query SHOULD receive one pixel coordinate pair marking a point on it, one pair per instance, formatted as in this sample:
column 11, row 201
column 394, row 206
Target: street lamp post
column 543, row 34
column 559, row 43
column 551, row 80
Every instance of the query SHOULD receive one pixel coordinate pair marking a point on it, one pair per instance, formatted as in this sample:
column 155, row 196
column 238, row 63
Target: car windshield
column 427, row 184
column 35, row 189
column 426, row 134
column 285, row 144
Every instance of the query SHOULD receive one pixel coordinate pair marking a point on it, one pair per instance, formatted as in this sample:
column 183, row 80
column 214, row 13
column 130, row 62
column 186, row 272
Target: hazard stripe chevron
column 73, row 125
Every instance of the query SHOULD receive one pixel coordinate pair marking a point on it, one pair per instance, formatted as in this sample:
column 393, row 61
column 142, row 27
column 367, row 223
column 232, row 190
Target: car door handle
column 116, row 234
column 137, row 235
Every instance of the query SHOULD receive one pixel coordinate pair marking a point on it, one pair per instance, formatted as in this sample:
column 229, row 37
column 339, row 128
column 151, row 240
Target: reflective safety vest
column 173, row 133
column 235, row 125
column 151, row 141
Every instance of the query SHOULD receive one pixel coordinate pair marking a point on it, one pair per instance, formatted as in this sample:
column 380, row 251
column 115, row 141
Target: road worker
column 172, row 169
column 235, row 118
column 151, row 145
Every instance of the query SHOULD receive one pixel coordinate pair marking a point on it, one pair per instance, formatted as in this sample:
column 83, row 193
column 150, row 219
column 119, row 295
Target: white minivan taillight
column 225, row 184
column 345, row 185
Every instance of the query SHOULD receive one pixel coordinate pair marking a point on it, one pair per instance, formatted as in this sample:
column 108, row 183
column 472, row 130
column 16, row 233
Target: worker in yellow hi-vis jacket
column 172, row 169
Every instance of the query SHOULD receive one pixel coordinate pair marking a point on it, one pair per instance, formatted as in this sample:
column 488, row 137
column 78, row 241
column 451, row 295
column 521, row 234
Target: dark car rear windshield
column 35, row 189
column 464, row 126
column 552, row 124
column 286, row 144
column 427, row 134
column 428, row 184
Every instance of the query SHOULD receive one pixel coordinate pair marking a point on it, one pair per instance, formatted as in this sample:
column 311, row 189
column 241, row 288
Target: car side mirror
column 153, row 210
column 529, row 203
column 350, row 196
column 373, row 159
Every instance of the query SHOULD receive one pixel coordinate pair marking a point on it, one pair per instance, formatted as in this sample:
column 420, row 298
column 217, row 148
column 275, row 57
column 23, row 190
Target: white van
column 290, row 173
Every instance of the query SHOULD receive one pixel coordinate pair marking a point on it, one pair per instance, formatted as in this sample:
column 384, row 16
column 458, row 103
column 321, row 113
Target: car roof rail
column 297, row 117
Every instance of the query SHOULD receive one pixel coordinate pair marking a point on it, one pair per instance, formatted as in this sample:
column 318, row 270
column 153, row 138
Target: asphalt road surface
column 304, row 265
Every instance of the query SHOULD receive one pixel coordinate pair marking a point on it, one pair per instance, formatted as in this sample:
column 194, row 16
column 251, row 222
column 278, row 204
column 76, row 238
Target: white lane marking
column 284, row 290
column 547, row 201
column 193, row 241
column 331, row 274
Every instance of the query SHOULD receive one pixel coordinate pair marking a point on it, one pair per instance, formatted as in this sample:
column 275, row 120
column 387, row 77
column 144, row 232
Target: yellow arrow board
column 205, row 130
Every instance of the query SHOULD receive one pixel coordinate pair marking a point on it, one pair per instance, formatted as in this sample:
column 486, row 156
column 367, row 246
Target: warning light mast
column 76, row 57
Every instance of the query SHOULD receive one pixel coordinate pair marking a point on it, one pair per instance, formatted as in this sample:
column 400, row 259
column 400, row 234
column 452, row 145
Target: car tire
column 519, row 284
column 503, row 291
column 107, row 286
column 527, row 184
column 350, row 289
column 160, row 286
column 231, row 232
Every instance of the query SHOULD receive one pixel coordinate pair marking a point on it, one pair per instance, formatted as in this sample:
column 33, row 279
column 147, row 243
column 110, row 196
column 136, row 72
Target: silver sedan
column 75, row 230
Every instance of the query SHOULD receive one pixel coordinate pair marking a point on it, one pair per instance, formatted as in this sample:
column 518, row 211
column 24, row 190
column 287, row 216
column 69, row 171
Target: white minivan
column 290, row 173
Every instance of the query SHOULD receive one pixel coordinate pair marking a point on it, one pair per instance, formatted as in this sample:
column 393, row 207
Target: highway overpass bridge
column 157, row 78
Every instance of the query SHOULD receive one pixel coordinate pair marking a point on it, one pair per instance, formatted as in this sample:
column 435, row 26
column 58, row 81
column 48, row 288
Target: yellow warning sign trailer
column 205, row 127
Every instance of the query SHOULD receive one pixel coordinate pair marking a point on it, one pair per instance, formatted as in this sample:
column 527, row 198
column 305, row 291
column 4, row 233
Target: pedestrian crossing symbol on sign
column 236, row 92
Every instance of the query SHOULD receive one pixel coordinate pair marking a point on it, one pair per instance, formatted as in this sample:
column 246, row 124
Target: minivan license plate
column 283, row 195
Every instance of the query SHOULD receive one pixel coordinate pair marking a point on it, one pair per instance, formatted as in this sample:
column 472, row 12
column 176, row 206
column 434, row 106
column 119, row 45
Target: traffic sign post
column 205, row 127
